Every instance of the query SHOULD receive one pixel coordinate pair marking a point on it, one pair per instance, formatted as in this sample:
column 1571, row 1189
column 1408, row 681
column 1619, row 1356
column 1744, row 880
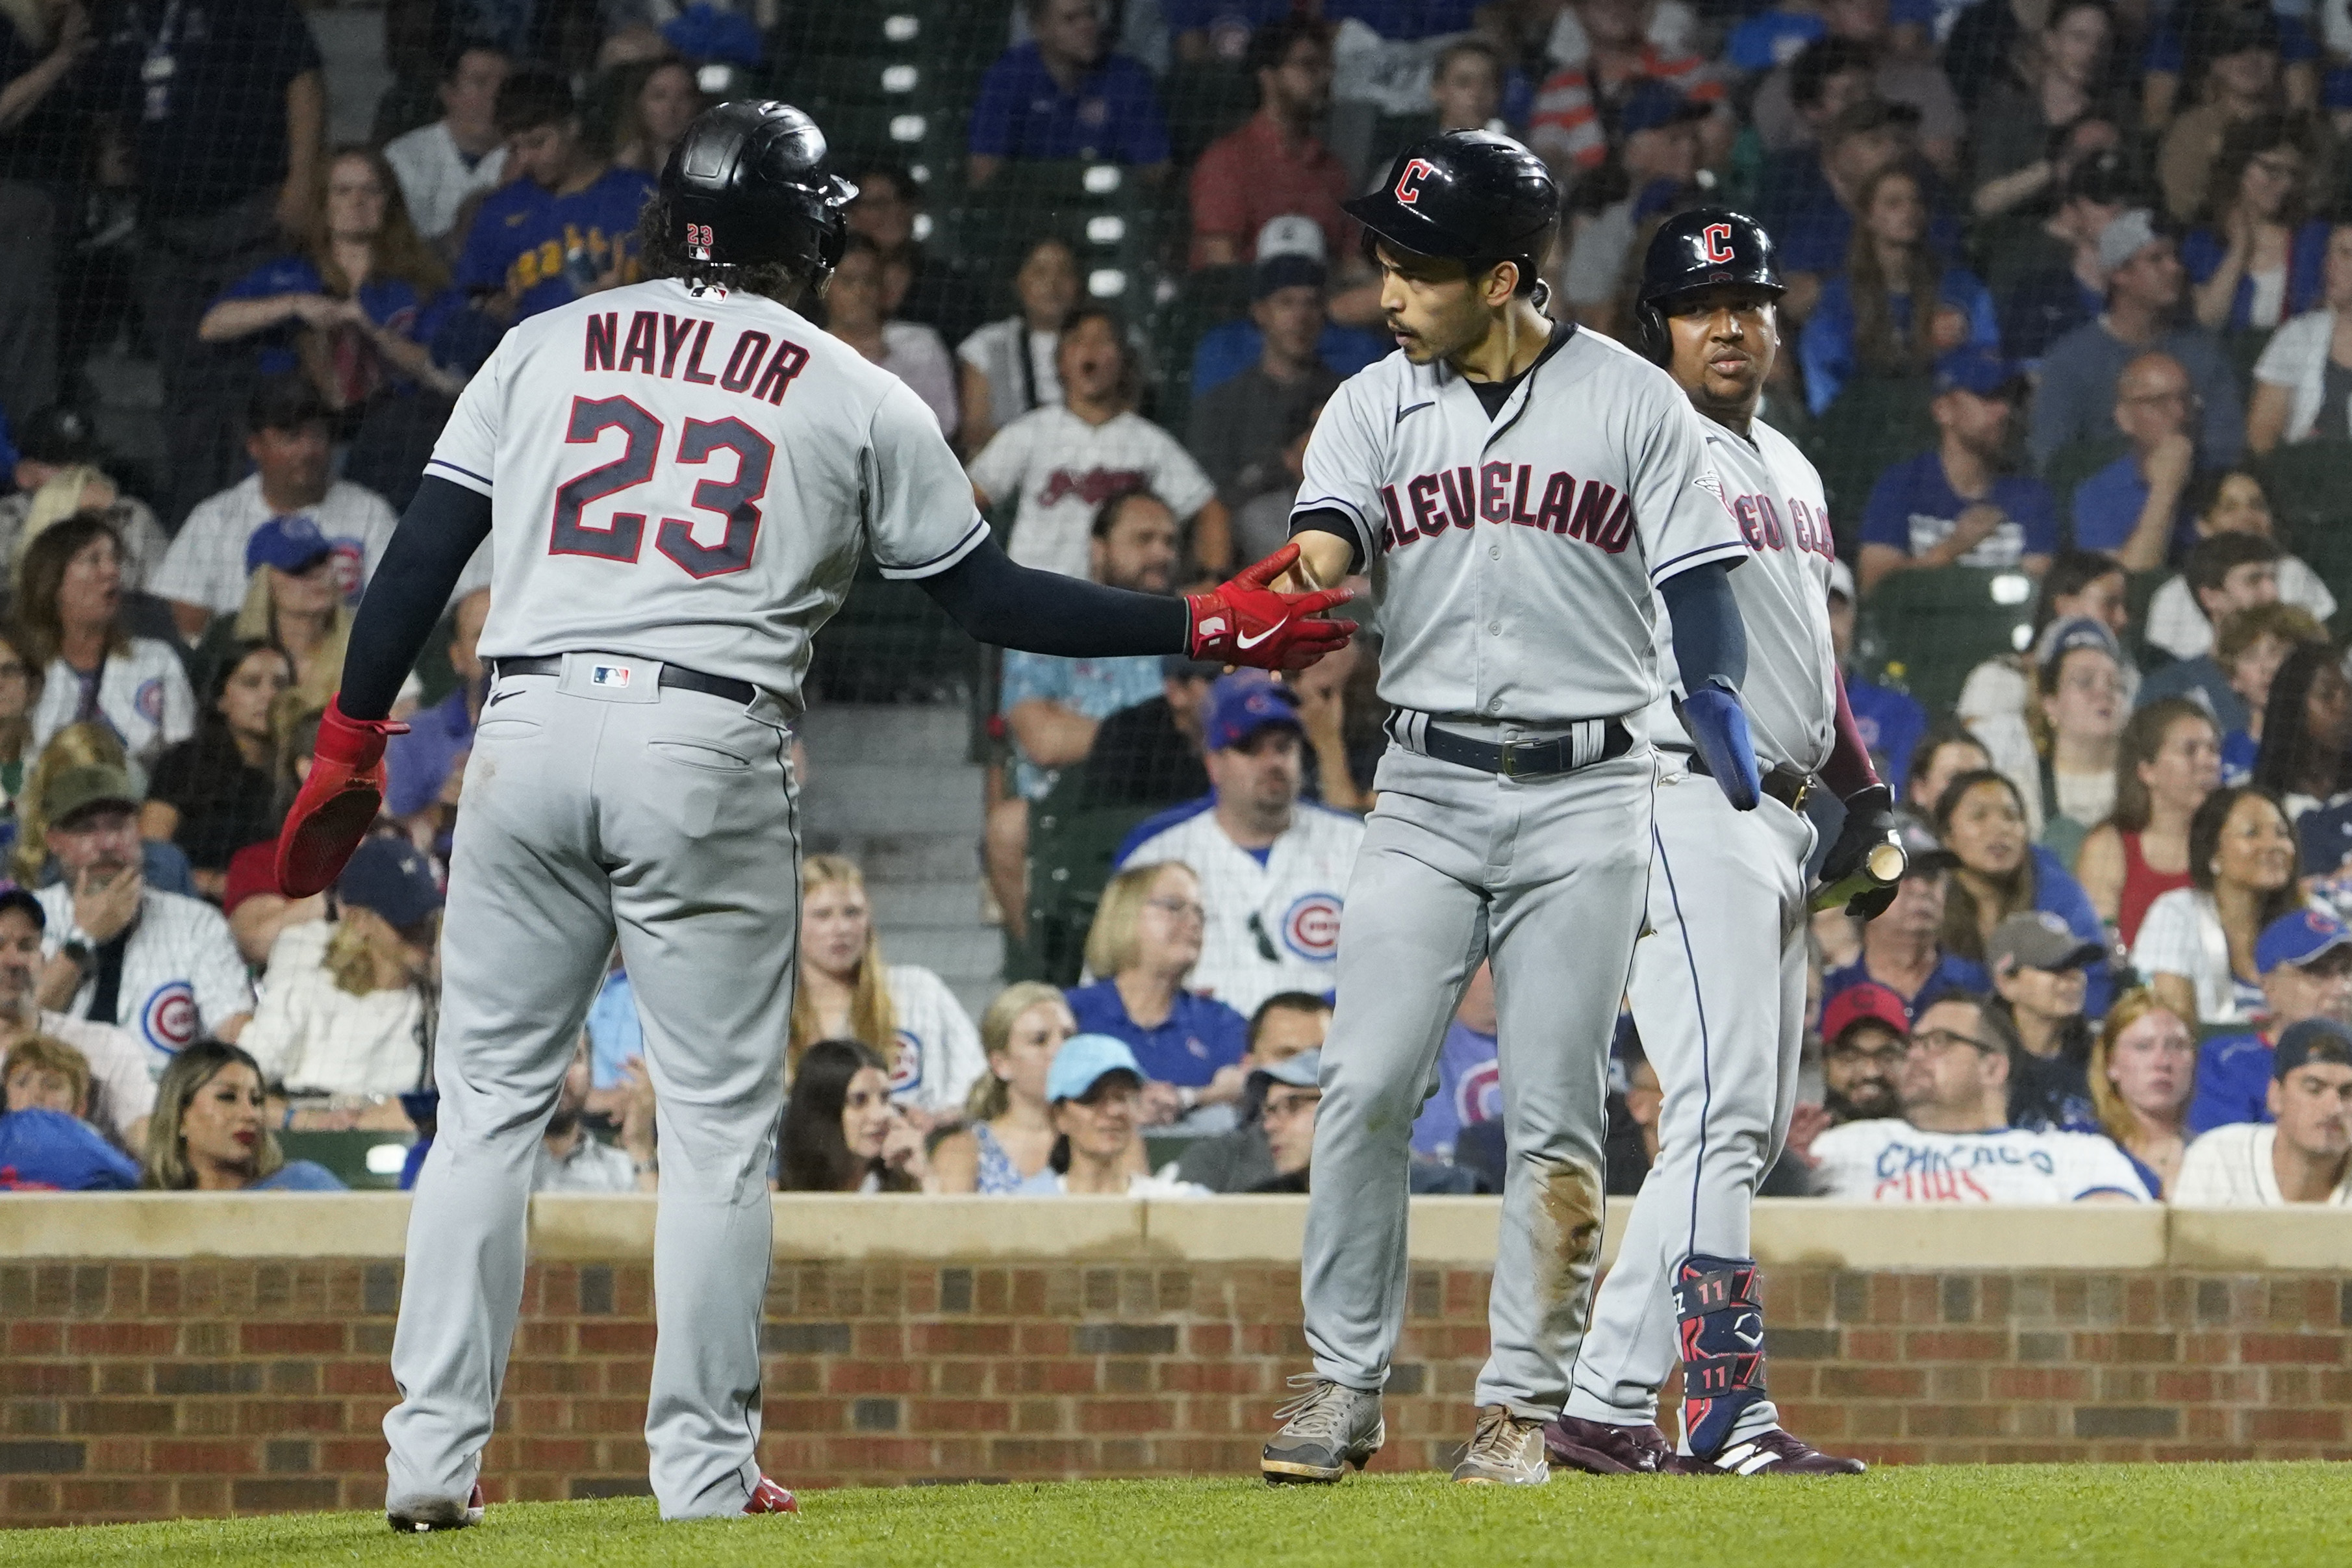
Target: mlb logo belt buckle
column 611, row 675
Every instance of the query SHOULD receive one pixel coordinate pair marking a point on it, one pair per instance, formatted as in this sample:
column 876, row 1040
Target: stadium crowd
column 2069, row 334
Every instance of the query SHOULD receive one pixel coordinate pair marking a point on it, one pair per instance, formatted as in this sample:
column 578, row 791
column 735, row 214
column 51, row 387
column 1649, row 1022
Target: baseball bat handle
column 1882, row 866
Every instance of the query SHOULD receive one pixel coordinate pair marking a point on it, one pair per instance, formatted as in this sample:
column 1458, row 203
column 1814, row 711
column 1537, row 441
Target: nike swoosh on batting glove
column 1718, row 727
column 338, row 802
column 1246, row 621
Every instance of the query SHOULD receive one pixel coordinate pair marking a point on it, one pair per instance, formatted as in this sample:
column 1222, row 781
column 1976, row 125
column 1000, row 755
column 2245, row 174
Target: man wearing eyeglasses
column 2135, row 507
column 1953, row 1143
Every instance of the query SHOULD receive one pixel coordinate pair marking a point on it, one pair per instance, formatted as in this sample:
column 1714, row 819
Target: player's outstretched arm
column 338, row 802
column 1711, row 653
column 1243, row 621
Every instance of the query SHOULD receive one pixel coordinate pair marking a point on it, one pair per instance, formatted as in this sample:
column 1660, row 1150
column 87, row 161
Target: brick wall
column 143, row 1388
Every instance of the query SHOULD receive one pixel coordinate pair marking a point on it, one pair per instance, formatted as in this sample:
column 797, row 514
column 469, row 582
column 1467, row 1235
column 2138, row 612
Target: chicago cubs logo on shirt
column 907, row 1070
column 168, row 1017
column 1311, row 927
column 1478, row 1094
column 149, row 701
column 351, row 564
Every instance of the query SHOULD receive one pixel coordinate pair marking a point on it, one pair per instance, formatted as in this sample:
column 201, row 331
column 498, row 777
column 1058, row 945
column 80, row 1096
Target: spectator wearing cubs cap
column 2305, row 958
column 1286, row 244
column 1237, row 430
column 2303, row 1154
column 2037, row 964
column 343, row 1002
column 293, row 601
column 1271, row 867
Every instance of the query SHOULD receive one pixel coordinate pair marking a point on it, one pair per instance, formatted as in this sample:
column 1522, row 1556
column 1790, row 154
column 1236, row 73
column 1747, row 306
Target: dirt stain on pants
column 1567, row 1241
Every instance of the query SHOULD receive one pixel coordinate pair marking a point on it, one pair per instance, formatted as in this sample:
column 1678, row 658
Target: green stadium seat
column 890, row 643
column 1926, row 630
column 1876, row 421
column 361, row 1161
column 1070, row 850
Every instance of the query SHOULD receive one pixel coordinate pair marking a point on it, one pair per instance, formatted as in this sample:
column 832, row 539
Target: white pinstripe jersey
column 692, row 476
column 1512, row 558
column 1790, row 692
column 182, row 975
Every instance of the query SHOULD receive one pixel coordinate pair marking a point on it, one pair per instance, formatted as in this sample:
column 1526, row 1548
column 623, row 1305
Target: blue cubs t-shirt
column 2107, row 506
column 525, row 237
column 1023, row 112
column 393, row 303
column 1914, row 508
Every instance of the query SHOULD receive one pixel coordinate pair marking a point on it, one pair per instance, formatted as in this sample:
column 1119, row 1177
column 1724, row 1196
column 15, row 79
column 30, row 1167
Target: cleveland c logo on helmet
column 1408, row 185
column 1718, row 239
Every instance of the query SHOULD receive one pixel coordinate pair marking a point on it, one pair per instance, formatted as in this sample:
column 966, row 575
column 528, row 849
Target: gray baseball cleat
column 1326, row 1429
column 1507, row 1450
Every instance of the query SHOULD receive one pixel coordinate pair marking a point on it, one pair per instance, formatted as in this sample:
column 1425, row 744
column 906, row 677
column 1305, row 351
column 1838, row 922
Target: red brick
column 1125, row 1416
column 1955, row 1344
column 2314, row 1349
column 961, row 1338
column 958, row 1416
column 173, row 1457
column 292, row 1339
column 2304, row 1425
column 873, row 1377
column 598, row 1337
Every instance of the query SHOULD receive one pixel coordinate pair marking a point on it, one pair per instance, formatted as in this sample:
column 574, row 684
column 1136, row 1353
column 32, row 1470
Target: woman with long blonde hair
column 2143, row 1071
column 902, row 1012
column 1008, row 1131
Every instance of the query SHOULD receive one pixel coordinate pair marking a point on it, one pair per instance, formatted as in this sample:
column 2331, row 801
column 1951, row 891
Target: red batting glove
column 338, row 802
column 1244, row 621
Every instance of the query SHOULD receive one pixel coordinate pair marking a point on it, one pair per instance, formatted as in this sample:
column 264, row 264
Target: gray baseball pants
column 664, row 817
column 1545, row 878
column 1718, row 995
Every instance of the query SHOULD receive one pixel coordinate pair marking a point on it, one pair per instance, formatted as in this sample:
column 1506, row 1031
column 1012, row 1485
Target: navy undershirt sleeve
column 1710, row 639
column 1331, row 519
column 1045, row 612
column 437, row 535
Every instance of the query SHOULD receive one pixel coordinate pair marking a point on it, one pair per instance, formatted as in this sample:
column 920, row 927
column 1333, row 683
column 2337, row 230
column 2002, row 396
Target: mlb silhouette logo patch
column 615, row 675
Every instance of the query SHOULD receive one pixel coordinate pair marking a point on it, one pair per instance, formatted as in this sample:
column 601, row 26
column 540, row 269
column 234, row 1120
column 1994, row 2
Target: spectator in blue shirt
column 207, row 1133
column 2076, row 398
column 1052, row 706
column 1145, row 941
column 1231, row 348
column 357, row 306
column 1469, row 1073
column 2306, row 964
column 1953, row 506
column 45, row 1140
column 566, row 224
column 2192, row 35
column 2259, row 257
column 1896, row 307
column 425, row 765
column 1889, row 722
column 1061, row 95
column 1816, row 195
column 2136, row 508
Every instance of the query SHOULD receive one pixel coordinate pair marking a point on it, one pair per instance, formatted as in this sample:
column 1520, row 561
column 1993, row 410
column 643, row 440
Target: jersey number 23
column 621, row 536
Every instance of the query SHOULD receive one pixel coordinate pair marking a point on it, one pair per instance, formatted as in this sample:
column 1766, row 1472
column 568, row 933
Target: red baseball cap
column 1866, row 1003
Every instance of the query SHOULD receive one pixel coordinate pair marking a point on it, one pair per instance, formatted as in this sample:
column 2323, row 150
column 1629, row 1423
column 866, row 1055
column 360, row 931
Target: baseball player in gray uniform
column 1718, row 984
column 678, row 479
column 1521, row 493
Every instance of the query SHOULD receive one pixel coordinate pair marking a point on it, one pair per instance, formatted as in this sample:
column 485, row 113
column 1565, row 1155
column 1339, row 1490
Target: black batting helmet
column 1697, row 250
column 1469, row 195
column 746, row 185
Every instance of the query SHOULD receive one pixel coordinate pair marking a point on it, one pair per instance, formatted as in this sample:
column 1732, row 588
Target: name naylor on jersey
column 656, row 342
column 1760, row 527
column 1505, row 492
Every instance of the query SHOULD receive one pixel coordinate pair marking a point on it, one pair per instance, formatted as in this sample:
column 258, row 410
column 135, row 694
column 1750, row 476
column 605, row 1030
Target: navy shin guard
column 1722, row 1335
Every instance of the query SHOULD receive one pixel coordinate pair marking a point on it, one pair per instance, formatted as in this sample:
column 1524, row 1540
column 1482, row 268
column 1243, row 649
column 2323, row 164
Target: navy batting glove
column 1718, row 727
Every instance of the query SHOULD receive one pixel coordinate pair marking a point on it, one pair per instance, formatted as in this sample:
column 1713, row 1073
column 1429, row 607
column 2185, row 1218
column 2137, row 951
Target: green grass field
column 2237, row 1516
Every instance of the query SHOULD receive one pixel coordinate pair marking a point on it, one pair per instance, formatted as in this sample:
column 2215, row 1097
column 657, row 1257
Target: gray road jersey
column 692, row 478
column 1513, row 558
column 1775, row 497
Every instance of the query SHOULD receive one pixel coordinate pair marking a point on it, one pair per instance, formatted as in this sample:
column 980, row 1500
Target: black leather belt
column 676, row 677
column 1783, row 784
column 1515, row 758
